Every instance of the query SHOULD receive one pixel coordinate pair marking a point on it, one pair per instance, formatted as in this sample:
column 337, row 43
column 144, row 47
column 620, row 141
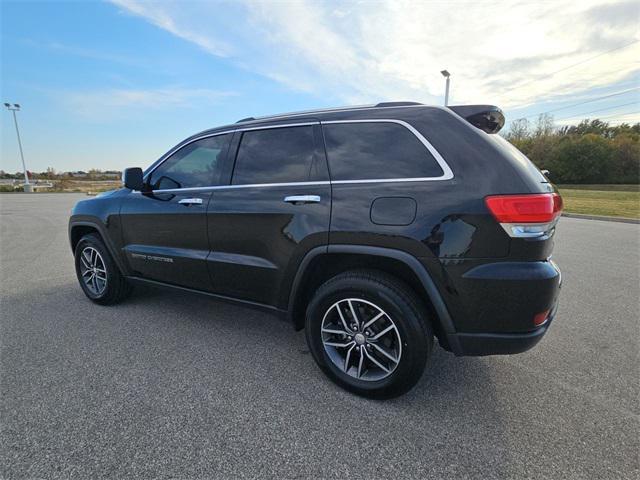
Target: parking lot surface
column 171, row 384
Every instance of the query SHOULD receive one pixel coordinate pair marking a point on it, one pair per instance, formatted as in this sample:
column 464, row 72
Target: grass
column 615, row 203
column 603, row 188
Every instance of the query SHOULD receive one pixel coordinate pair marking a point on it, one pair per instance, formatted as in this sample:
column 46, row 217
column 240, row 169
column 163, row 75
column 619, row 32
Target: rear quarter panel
column 453, row 232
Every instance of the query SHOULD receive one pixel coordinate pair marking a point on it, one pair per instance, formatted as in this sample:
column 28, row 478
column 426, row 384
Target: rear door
column 164, row 230
column 276, row 209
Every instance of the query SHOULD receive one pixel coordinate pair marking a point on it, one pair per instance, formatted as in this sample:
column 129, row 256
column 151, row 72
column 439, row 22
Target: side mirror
column 132, row 178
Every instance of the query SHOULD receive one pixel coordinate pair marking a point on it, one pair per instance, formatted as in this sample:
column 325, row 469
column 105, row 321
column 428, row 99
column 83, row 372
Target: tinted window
column 360, row 151
column 277, row 155
column 198, row 164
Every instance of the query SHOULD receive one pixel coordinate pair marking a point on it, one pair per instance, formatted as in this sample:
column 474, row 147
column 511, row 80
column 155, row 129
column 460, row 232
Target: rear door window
column 276, row 155
column 376, row 151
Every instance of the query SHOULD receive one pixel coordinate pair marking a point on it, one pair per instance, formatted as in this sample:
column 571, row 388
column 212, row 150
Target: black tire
column 401, row 307
column 116, row 288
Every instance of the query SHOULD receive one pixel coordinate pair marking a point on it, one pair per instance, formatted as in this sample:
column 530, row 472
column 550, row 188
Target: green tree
column 626, row 158
column 582, row 159
column 592, row 151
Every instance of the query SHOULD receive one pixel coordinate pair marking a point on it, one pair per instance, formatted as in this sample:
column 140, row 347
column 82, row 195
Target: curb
column 602, row 218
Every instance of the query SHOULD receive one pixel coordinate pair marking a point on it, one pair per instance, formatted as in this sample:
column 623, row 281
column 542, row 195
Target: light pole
column 446, row 75
column 14, row 108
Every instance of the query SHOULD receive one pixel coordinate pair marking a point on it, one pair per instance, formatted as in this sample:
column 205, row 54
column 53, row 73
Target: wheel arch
column 78, row 229
column 322, row 263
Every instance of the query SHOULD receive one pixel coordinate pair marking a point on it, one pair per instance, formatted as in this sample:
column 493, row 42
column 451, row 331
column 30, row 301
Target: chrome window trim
column 233, row 187
column 446, row 175
column 266, row 127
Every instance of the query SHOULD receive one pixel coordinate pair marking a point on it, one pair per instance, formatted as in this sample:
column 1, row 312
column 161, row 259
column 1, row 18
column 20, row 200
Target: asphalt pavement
column 171, row 384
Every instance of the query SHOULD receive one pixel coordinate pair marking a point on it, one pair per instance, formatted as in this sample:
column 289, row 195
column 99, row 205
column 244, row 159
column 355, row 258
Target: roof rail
column 397, row 104
column 304, row 112
column 326, row 110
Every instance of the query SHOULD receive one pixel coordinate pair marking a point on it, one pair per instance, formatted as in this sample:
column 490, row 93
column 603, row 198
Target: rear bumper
column 538, row 287
column 480, row 344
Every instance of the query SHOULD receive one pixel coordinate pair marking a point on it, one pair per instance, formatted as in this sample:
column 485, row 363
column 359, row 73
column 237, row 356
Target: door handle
column 301, row 199
column 191, row 201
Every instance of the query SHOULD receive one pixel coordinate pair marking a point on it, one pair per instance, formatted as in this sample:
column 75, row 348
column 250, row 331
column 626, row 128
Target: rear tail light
column 541, row 318
column 526, row 216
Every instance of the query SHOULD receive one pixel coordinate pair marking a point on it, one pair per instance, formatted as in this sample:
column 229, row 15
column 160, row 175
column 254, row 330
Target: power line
column 600, row 110
column 622, row 120
column 582, row 103
column 571, row 66
column 617, row 114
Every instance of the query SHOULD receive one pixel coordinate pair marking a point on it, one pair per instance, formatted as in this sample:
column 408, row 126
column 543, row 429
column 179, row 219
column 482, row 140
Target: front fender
column 101, row 215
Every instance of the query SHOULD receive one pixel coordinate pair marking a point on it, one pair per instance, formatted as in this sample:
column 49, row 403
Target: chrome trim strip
column 264, row 127
column 233, row 187
column 291, row 184
column 447, row 174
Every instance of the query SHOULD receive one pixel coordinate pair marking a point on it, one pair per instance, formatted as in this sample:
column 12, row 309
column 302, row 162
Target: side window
column 197, row 164
column 277, row 155
column 376, row 150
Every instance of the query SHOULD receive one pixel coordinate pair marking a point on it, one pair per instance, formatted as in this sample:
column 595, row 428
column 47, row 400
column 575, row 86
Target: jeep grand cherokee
column 376, row 229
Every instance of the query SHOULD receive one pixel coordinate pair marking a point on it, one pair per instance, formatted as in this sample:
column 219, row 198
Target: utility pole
column 15, row 108
column 447, row 75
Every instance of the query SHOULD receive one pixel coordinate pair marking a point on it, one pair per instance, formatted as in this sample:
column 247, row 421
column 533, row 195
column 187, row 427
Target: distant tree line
column 591, row 152
column 51, row 174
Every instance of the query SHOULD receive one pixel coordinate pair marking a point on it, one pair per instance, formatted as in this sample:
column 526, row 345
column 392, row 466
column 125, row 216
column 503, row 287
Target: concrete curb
column 603, row 218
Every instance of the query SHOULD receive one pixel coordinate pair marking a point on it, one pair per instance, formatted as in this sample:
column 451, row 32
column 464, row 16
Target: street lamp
column 446, row 75
column 14, row 108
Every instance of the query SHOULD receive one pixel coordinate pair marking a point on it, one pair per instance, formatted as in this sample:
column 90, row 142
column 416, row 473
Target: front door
column 164, row 230
column 276, row 209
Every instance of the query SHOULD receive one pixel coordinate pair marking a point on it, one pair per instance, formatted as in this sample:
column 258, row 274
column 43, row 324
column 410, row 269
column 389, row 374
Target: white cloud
column 367, row 51
column 100, row 104
column 615, row 119
column 154, row 13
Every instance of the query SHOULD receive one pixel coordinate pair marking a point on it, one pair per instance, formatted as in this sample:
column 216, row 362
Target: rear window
column 278, row 155
column 375, row 151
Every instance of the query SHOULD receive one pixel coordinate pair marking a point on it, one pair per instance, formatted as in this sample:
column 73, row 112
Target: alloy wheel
column 93, row 270
column 361, row 339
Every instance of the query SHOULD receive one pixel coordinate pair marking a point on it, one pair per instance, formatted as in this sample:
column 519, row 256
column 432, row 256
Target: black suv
column 374, row 228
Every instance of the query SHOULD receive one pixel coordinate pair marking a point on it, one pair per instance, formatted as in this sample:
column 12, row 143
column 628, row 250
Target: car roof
column 380, row 110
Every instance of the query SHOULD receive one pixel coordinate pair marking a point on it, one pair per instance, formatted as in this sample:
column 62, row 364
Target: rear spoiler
column 487, row 118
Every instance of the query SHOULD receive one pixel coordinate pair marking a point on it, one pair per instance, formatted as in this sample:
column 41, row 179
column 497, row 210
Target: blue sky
column 115, row 84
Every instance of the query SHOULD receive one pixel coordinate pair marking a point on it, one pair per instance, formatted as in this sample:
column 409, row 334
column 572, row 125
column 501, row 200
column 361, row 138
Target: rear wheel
column 369, row 333
column 99, row 277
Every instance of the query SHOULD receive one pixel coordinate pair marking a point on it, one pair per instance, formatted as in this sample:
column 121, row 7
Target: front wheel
column 369, row 333
column 97, row 272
